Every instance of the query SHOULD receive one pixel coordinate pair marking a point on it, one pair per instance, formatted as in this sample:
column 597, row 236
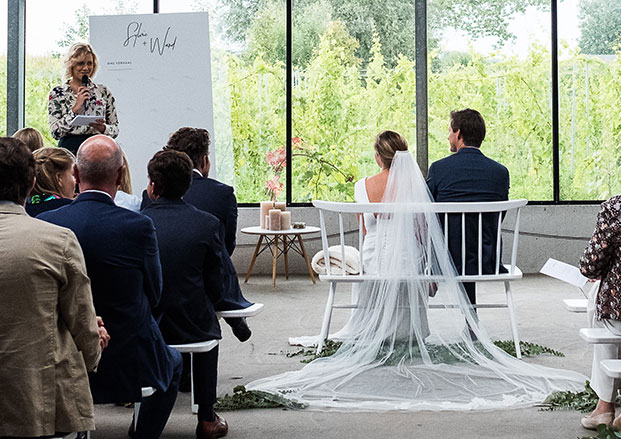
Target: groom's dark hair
column 471, row 126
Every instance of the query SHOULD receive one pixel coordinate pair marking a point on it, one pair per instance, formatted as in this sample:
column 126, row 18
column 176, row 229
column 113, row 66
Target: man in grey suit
column 468, row 175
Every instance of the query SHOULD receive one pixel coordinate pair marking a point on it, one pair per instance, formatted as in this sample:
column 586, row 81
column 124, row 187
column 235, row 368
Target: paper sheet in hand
column 565, row 272
column 81, row 120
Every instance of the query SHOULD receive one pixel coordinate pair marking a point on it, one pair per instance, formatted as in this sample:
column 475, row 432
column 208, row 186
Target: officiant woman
column 79, row 95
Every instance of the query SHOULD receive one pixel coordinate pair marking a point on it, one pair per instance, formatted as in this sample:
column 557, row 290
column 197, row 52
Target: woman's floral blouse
column 101, row 103
column 602, row 259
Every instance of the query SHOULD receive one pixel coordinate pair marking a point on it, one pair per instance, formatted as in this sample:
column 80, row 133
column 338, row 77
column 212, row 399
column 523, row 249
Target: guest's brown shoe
column 212, row 429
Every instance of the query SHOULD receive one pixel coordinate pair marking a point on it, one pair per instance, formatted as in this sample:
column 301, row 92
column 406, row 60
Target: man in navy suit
column 468, row 175
column 122, row 261
column 218, row 199
column 191, row 255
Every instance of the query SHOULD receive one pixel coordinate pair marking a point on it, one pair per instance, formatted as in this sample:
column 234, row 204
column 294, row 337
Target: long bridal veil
column 404, row 354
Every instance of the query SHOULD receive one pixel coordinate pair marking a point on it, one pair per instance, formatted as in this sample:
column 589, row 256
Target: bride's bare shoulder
column 375, row 186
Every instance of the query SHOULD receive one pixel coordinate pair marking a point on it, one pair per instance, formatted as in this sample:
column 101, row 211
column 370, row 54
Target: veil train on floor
column 404, row 355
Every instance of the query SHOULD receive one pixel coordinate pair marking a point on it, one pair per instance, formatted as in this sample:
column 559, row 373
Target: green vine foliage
column 583, row 401
column 341, row 102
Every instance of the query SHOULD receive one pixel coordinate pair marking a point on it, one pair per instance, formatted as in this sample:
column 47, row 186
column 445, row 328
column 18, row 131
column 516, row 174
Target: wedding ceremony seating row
column 328, row 210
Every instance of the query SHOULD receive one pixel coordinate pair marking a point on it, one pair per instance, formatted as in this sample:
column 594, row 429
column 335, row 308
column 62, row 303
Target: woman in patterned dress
column 80, row 95
column 602, row 260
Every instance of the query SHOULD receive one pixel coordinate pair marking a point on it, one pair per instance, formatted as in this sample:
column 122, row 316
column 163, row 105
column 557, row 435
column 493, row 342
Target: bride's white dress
column 403, row 355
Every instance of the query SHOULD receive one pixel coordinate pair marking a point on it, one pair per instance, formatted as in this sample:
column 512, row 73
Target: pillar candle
column 266, row 222
column 265, row 207
column 280, row 205
column 274, row 219
column 285, row 220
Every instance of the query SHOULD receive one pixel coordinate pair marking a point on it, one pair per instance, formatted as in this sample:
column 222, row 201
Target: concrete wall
column 559, row 232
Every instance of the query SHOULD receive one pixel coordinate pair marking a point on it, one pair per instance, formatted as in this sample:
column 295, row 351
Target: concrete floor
column 295, row 308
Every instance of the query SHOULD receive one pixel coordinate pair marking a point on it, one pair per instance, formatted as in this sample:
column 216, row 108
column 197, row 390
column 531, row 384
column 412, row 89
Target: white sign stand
column 158, row 68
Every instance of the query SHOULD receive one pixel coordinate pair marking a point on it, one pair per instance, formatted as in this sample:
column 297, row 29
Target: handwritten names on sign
column 137, row 36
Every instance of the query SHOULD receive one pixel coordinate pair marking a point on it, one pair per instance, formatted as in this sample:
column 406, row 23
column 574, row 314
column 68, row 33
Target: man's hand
column 104, row 337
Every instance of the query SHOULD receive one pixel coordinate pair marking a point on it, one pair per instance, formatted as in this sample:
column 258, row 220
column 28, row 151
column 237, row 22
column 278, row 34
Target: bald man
column 123, row 264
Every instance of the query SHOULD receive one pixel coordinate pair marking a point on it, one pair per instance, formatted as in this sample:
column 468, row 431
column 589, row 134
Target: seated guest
column 602, row 260
column 48, row 330
column 55, row 182
column 218, row 199
column 191, row 254
column 31, row 137
column 120, row 249
column 124, row 196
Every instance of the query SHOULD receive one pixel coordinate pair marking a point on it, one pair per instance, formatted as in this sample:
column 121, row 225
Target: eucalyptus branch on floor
column 583, row 401
column 329, row 348
column 243, row 399
column 528, row 349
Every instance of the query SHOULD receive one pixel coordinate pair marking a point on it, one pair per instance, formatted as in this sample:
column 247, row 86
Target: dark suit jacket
column 219, row 200
column 122, row 261
column 469, row 176
column 191, row 254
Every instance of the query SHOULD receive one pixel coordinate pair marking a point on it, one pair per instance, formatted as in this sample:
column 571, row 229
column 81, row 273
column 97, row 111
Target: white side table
column 279, row 242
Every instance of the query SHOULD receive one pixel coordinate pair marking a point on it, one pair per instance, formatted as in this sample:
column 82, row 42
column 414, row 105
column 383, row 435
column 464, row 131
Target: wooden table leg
column 254, row 258
column 285, row 249
column 310, row 269
column 275, row 250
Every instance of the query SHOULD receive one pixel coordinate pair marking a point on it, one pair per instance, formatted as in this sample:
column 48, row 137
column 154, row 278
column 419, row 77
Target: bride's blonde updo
column 387, row 143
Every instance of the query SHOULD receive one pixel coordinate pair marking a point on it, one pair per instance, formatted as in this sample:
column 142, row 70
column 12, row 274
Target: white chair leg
column 194, row 406
column 327, row 316
column 516, row 338
column 136, row 412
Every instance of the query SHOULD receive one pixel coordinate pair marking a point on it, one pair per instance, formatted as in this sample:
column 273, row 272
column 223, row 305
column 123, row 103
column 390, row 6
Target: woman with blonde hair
column 79, row 95
column 55, row 181
column 31, row 137
column 124, row 196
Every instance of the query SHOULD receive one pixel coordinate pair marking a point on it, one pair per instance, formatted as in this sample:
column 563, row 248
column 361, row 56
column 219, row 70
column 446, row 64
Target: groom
column 468, row 175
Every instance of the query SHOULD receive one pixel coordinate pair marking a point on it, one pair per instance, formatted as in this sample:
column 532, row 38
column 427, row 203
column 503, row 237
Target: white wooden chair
column 251, row 311
column 194, row 348
column 327, row 208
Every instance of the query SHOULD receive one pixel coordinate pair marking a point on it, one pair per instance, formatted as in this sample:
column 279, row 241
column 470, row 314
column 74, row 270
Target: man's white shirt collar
column 198, row 172
column 98, row 191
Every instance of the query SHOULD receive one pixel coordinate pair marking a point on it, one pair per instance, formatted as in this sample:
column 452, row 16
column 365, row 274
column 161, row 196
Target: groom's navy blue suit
column 470, row 176
column 217, row 199
column 122, row 260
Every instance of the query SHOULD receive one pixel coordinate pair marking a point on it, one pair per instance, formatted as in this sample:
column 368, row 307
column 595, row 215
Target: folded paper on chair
column 352, row 261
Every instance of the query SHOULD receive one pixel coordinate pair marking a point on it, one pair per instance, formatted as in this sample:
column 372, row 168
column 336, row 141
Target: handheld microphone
column 85, row 80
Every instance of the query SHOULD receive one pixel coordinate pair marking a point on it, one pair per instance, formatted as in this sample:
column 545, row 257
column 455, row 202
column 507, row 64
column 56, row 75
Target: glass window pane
column 248, row 76
column 3, row 62
column 51, row 27
column 494, row 56
column 353, row 76
column 590, row 121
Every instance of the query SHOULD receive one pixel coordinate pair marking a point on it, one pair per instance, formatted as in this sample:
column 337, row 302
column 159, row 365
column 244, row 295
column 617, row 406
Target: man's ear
column 76, row 174
column 207, row 166
column 119, row 175
column 458, row 132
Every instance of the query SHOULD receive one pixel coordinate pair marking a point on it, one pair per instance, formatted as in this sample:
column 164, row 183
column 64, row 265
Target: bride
column 403, row 355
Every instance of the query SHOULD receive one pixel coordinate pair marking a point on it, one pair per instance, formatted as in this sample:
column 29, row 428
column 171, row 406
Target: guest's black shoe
column 212, row 429
column 241, row 330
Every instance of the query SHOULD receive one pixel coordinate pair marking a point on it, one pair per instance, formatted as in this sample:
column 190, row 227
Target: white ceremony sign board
column 158, row 68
